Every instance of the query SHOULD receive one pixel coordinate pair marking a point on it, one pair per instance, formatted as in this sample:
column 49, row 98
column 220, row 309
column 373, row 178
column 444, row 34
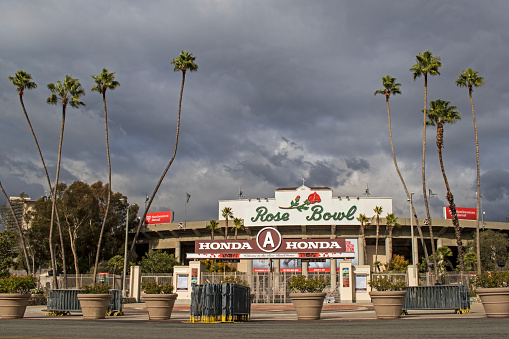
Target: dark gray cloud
column 284, row 91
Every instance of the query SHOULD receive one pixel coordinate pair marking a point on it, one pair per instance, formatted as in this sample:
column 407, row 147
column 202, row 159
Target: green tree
column 212, row 226
column 116, row 264
column 68, row 92
column 184, row 63
column 441, row 113
column 158, row 262
column 365, row 222
column 80, row 207
column 103, row 82
column 470, row 78
column 378, row 211
column 238, row 224
column 227, row 213
column 7, row 252
column 442, row 261
column 391, row 87
column 426, row 65
column 470, row 259
column 494, row 248
column 391, row 221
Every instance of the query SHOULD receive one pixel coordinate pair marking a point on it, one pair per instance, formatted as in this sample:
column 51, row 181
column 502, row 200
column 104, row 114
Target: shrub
column 303, row 284
column 17, row 284
column 387, row 284
column 95, row 289
column 493, row 279
column 152, row 287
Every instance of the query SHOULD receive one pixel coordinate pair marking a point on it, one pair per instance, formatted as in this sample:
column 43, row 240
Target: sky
column 284, row 91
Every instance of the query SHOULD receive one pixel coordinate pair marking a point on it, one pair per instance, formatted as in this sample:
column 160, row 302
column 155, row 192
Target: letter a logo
column 268, row 239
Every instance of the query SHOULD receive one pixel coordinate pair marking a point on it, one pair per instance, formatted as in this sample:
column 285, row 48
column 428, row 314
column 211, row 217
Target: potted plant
column 492, row 288
column 94, row 300
column 14, row 295
column 159, row 299
column 307, row 294
column 388, row 297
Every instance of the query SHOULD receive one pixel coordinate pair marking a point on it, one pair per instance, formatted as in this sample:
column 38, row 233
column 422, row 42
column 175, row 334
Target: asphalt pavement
column 267, row 321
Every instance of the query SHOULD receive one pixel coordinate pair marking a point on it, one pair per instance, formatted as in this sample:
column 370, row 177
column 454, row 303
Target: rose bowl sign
column 270, row 244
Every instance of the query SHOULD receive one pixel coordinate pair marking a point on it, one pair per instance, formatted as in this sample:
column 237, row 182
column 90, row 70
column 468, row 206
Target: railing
column 439, row 297
column 67, row 301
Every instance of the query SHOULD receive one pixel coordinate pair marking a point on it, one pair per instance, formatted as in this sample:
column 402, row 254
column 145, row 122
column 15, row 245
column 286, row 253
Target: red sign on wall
column 159, row 218
column 464, row 213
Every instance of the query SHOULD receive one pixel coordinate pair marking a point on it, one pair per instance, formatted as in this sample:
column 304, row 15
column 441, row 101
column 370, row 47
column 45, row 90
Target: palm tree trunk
column 478, row 236
column 109, row 187
column 424, row 193
column 48, row 179
column 165, row 171
column 20, row 231
column 377, row 235
column 363, row 233
column 53, row 203
column 450, row 198
column 391, row 228
column 423, row 243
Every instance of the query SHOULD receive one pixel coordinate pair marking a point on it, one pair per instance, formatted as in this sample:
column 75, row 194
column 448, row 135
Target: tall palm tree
column 68, row 92
column 391, row 221
column 227, row 213
column 238, row 224
column 213, row 226
column 441, row 113
column 470, row 78
column 426, row 64
column 365, row 222
column 391, row 87
column 185, row 62
column 104, row 81
column 378, row 211
column 19, row 229
column 23, row 80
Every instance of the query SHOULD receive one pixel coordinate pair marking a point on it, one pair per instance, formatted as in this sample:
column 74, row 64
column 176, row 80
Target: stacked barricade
column 225, row 302
column 67, row 301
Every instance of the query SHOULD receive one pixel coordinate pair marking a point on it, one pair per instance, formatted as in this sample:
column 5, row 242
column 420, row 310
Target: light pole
column 125, row 252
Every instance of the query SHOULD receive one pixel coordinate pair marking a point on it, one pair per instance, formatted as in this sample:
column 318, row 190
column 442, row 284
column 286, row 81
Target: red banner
column 464, row 213
column 159, row 218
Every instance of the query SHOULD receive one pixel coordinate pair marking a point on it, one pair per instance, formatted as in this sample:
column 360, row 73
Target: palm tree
column 226, row 213
column 426, row 64
column 213, row 226
column 391, row 221
column 104, row 81
column 23, row 80
column 470, row 78
column 365, row 222
column 391, row 87
column 239, row 224
column 185, row 62
column 378, row 211
column 69, row 93
column 19, row 229
column 441, row 113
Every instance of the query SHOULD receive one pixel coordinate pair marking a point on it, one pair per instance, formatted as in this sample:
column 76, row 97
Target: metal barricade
column 67, row 301
column 438, row 297
column 225, row 302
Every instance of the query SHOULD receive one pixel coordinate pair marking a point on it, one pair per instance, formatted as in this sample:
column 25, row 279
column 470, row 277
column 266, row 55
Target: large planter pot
column 495, row 301
column 388, row 304
column 308, row 305
column 94, row 306
column 13, row 305
column 159, row 306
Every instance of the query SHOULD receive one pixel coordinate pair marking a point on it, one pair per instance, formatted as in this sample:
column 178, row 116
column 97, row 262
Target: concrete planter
column 388, row 304
column 94, row 306
column 308, row 305
column 495, row 301
column 13, row 305
column 159, row 306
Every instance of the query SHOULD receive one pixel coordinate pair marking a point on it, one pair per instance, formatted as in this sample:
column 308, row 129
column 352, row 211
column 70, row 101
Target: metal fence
column 438, row 297
column 220, row 303
column 71, row 281
column 67, row 301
